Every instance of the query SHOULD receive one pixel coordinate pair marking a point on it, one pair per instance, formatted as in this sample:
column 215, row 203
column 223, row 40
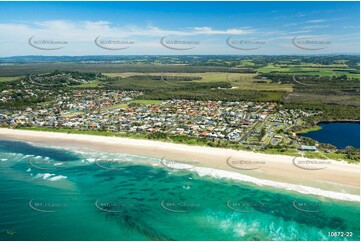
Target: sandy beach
column 327, row 174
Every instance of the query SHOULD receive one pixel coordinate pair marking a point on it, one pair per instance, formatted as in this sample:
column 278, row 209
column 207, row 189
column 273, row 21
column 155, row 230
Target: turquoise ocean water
column 55, row 194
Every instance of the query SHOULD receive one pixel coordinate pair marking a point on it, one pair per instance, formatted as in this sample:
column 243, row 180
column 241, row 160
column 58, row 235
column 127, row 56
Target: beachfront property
column 308, row 148
column 180, row 121
column 253, row 124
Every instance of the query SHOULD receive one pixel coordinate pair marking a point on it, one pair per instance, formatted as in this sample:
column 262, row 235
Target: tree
column 262, row 134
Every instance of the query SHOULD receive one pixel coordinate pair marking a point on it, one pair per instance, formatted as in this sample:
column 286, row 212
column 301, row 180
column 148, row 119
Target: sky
column 179, row 28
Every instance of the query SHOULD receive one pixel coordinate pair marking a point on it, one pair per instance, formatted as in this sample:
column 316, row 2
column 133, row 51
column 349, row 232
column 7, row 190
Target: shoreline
column 312, row 129
column 338, row 121
column 339, row 177
column 318, row 127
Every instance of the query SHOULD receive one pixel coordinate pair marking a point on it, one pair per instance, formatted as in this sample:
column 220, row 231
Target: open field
column 146, row 102
column 206, row 76
column 311, row 98
column 92, row 84
column 244, row 81
column 124, row 105
column 249, row 82
column 8, row 79
column 228, row 78
column 73, row 114
column 290, row 152
column 198, row 86
column 317, row 99
column 39, row 68
column 320, row 70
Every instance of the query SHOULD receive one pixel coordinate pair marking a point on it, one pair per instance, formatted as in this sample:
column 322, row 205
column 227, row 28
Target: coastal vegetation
column 299, row 91
column 349, row 154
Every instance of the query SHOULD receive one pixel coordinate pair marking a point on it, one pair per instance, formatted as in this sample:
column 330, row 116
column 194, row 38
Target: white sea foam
column 56, row 178
column 10, row 157
column 202, row 171
column 50, row 177
column 220, row 174
column 177, row 165
column 92, row 157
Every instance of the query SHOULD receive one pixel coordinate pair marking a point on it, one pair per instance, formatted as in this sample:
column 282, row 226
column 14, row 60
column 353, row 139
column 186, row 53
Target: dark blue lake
column 337, row 134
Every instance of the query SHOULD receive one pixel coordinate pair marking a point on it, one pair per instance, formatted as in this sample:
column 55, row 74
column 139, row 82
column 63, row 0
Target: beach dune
column 324, row 174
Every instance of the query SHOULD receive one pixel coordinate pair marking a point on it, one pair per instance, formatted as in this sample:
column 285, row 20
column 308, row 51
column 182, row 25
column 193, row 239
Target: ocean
column 61, row 194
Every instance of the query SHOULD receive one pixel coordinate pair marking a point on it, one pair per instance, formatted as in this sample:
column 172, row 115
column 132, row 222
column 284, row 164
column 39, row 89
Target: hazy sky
column 136, row 28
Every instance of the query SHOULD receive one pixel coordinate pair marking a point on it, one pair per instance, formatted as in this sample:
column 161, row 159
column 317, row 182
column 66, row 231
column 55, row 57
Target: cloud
column 300, row 32
column 208, row 30
column 316, row 26
column 291, row 24
column 81, row 31
column 299, row 15
column 81, row 35
column 316, row 21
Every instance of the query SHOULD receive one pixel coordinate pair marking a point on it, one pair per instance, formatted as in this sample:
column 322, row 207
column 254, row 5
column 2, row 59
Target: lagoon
column 339, row 134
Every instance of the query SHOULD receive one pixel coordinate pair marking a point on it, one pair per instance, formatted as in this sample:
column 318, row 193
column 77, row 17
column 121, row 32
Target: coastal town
column 180, row 121
column 92, row 103
column 253, row 124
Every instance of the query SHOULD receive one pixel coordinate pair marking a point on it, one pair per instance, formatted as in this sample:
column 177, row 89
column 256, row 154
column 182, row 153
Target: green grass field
column 314, row 155
column 330, row 70
column 92, row 84
column 290, row 152
column 8, row 79
column 242, row 81
column 146, row 102
column 124, row 105
column 249, row 82
column 318, row 99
